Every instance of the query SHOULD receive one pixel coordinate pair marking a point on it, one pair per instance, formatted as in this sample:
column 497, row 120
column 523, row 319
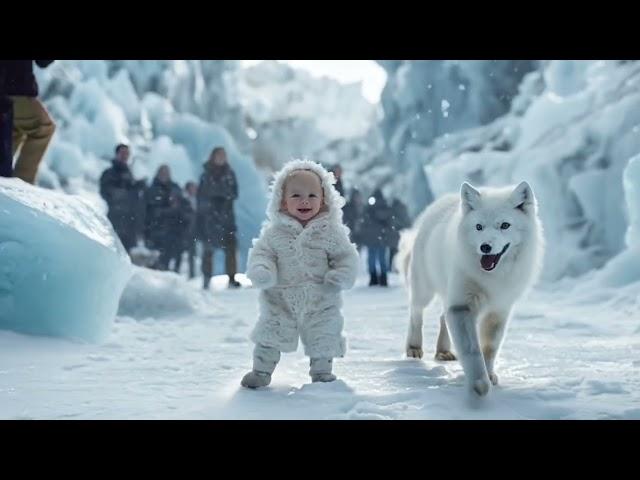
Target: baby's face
column 302, row 195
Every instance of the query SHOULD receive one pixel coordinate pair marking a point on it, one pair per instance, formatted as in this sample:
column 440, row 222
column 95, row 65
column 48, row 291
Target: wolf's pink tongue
column 488, row 262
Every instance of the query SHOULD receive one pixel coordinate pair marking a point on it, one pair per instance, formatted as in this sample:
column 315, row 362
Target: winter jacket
column 215, row 217
column 17, row 78
column 163, row 212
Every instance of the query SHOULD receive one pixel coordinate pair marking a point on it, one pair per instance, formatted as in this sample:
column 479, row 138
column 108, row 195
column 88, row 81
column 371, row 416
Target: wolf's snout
column 485, row 248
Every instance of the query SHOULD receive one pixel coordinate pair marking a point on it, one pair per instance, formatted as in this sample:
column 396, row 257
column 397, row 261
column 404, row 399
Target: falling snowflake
column 444, row 106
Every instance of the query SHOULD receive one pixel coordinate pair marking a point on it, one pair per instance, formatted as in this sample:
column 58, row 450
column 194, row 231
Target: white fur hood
column 332, row 204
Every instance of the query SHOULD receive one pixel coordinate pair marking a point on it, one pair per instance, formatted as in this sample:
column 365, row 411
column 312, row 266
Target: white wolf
column 479, row 252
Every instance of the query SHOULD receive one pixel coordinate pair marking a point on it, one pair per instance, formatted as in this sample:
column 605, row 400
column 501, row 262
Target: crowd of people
column 172, row 220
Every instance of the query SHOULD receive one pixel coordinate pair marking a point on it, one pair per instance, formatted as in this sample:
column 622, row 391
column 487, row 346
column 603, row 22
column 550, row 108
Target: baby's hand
column 333, row 279
column 262, row 277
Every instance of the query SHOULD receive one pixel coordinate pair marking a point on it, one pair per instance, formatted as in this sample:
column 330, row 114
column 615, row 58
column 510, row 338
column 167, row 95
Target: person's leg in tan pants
column 32, row 132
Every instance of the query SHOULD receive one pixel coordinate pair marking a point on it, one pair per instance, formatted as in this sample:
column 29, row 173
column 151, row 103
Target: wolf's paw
column 414, row 352
column 445, row 356
column 494, row 378
column 481, row 387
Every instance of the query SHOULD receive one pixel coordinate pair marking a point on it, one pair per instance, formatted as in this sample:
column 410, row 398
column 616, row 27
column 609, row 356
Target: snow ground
column 570, row 353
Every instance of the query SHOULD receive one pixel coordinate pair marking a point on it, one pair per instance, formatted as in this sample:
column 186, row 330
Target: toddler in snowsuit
column 301, row 262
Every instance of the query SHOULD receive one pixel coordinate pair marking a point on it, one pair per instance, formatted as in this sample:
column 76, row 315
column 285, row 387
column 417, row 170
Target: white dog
column 479, row 251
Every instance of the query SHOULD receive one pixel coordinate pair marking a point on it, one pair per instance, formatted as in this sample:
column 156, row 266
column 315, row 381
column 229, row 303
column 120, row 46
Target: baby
column 301, row 262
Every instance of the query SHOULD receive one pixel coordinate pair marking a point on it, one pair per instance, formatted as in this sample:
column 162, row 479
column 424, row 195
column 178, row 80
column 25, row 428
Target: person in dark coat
column 121, row 193
column 6, row 126
column 162, row 219
column 215, row 219
column 375, row 233
column 32, row 127
column 337, row 172
column 188, row 227
column 353, row 215
column 399, row 221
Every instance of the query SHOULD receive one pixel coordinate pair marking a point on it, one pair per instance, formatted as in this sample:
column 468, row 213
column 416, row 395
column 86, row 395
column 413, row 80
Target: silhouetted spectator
column 162, row 220
column 337, row 172
column 215, row 219
column 353, row 215
column 188, row 227
column 120, row 191
column 375, row 233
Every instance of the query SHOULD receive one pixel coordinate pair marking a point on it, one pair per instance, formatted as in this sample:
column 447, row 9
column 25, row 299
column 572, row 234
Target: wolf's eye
column 505, row 225
column 478, row 227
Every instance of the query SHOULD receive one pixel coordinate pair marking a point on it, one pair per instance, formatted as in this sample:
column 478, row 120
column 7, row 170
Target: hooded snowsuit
column 301, row 271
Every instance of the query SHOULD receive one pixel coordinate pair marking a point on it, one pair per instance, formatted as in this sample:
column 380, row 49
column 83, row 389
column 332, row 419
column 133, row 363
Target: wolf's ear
column 470, row 197
column 523, row 198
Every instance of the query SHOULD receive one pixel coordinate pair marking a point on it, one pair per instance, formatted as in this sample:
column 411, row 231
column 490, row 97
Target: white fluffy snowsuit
column 301, row 271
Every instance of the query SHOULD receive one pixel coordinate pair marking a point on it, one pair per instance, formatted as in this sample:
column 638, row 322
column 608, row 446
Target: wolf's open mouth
column 489, row 262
